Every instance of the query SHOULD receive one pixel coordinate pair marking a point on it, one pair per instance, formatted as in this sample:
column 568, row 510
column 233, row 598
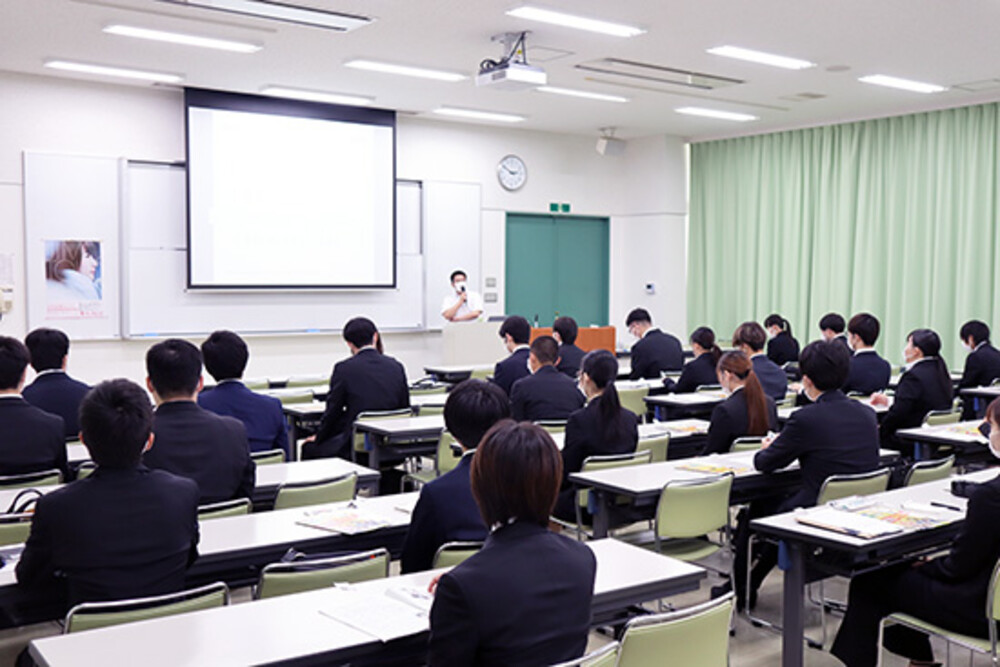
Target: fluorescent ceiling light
column 180, row 38
column 578, row 22
column 479, row 115
column 582, row 93
column 282, row 11
column 317, row 96
column 404, row 70
column 902, row 84
column 761, row 57
column 713, row 113
column 101, row 70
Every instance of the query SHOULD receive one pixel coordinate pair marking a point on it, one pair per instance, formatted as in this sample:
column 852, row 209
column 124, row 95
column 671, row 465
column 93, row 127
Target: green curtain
column 896, row 216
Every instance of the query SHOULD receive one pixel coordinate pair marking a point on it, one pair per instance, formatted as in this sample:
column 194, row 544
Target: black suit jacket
column 30, row 439
column 261, row 415
column 511, row 369
column 698, row 371
column 584, row 436
column 548, row 394
column 655, row 352
column 835, row 435
column 570, row 360
column 115, row 535
column 523, row 600
column 869, row 373
column 59, row 394
column 772, row 378
column 445, row 512
column 201, row 445
column 729, row 421
column 982, row 366
column 842, row 339
column 919, row 391
column 783, row 348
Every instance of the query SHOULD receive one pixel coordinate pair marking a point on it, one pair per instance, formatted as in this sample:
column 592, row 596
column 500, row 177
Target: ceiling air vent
column 658, row 74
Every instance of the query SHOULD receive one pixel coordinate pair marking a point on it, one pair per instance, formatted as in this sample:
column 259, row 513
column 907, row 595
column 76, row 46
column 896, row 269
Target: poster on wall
column 73, row 276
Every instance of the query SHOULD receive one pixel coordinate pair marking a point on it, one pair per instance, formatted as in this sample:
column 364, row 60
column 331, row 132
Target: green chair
column 451, row 554
column 606, row 656
column 928, row 471
column 430, row 410
column 226, row 508
column 446, row 458
column 310, row 574
column 836, row 487
column 941, row 417
column 552, row 425
column 41, row 478
column 93, row 615
column 302, row 494
column 257, row 384
column 694, row 637
column 268, row 457
column 432, row 389
column 85, row 469
column 373, row 415
column 595, row 463
column 301, row 381
column 747, row 444
column 708, row 387
column 296, row 397
column 635, row 400
column 657, row 447
column 14, row 528
column 480, row 373
column 688, row 510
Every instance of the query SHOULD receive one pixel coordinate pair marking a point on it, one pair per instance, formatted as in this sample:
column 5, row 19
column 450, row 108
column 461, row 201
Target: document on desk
column 719, row 468
column 847, row 523
column 350, row 520
column 379, row 615
column 675, row 427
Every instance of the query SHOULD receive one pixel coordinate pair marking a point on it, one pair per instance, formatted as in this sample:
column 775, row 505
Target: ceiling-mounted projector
column 512, row 71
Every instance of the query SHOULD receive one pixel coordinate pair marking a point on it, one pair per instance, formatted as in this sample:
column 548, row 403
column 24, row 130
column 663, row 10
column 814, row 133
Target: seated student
column 564, row 330
column 546, row 394
column 925, row 385
column 366, row 381
column 747, row 412
column 123, row 532
column 601, row 428
column 525, row 598
column 700, row 370
column 226, row 356
column 982, row 365
column 655, row 351
column 781, row 345
column 515, row 332
column 949, row 591
column 750, row 337
column 53, row 390
column 190, row 441
column 831, row 327
column 870, row 373
column 31, row 440
column 446, row 510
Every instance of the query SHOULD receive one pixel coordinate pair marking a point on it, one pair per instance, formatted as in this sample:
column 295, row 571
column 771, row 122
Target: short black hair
column 638, row 315
column 518, row 328
column 750, row 334
column 456, row 273
column 833, row 322
column 545, row 349
column 13, row 360
column 926, row 340
column 566, row 328
column 225, row 355
column 47, row 347
column 174, row 368
column 360, row 332
column 826, row 363
column 979, row 331
column 472, row 408
column 865, row 326
column 116, row 419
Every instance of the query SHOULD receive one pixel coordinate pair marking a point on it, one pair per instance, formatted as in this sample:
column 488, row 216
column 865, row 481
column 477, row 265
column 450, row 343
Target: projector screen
column 289, row 195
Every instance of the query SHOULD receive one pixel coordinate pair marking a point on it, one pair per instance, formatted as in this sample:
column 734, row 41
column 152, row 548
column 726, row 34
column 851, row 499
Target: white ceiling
column 948, row 42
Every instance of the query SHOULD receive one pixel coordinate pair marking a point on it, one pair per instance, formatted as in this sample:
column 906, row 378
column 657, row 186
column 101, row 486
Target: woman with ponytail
column 701, row 369
column 747, row 412
column 781, row 345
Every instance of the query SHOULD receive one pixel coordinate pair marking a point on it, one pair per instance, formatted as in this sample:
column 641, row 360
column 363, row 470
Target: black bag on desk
column 963, row 488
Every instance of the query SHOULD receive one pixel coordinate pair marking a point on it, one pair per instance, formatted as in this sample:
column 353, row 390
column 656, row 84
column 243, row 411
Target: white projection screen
column 289, row 195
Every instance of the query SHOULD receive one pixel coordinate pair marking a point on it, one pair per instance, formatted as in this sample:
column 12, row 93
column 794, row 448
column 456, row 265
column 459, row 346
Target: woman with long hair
column 748, row 411
column 781, row 345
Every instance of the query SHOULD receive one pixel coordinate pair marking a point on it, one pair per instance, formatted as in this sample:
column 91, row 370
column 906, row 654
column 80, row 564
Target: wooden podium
column 587, row 338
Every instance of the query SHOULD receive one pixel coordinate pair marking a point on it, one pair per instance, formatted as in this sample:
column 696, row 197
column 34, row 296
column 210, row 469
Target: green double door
column 557, row 265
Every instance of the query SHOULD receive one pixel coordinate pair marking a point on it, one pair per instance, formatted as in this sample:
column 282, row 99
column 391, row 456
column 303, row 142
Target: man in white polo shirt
column 462, row 304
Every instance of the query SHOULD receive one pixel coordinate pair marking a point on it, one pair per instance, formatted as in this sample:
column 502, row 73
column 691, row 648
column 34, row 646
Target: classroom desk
column 455, row 374
column 831, row 553
column 298, row 416
column 969, row 444
column 980, row 396
column 687, row 436
column 880, row 410
column 421, row 401
column 401, row 437
column 673, row 405
column 894, row 379
column 291, row 629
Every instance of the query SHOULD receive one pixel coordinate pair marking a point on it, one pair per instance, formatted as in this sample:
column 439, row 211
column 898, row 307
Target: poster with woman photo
column 73, row 280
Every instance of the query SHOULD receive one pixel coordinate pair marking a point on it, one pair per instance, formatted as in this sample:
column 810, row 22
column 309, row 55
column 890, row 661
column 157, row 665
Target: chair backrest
column 552, row 425
column 595, row 463
column 41, row 478
column 939, row 417
column 748, row 443
column 634, row 399
column 295, row 397
column 221, row 510
column 257, row 384
column 428, row 390
column 480, row 373
column 446, row 460
column 85, row 469
column 694, row 637
column 708, row 387
column 429, row 410
column 359, row 438
column 268, row 457
column 928, row 471
column 309, row 574
column 657, row 447
column 451, row 554
column 864, row 484
column 323, row 491
column 14, row 528
column 690, row 508
column 306, row 381
column 92, row 615
column 606, row 656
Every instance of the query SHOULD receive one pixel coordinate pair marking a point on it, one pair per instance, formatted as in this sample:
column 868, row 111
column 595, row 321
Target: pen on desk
column 934, row 503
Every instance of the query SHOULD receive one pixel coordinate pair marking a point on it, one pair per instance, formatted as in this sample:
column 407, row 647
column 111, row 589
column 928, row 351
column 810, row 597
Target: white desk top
column 314, row 409
column 638, row 384
column 650, row 478
column 962, row 432
column 401, row 425
column 683, row 400
column 785, row 413
column 76, row 452
column 987, row 391
column 425, row 400
column 436, row 370
column 273, row 474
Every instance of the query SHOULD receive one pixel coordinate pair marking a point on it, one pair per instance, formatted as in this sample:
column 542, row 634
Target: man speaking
column 462, row 304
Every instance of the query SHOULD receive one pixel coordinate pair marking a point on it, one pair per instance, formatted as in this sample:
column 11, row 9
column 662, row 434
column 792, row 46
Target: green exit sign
column 556, row 207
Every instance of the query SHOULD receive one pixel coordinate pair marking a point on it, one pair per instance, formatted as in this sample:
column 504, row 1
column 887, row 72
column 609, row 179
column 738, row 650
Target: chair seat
column 687, row 549
column 422, row 476
column 967, row 641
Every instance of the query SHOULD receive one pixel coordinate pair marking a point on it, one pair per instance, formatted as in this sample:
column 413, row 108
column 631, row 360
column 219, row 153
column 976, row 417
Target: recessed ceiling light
column 317, row 96
column 714, row 113
column 479, row 115
column 102, row 70
column 404, row 70
column 761, row 57
column 181, row 38
column 902, row 84
column 282, row 11
column 578, row 22
column 582, row 93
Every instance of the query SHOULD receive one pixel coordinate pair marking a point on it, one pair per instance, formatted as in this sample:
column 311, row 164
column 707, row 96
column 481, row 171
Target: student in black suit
column 781, row 345
column 750, row 338
column 700, row 370
column 831, row 327
column 655, row 351
column 446, row 510
column 191, row 441
column 747, row 412
column 564, row 330
column 53, row 390
column 31, row 439
column 949, row 591
column 870, row 373
column 226, row 356
column 602, row 427
column 982, row 366
column 515, row 332
column 366, row 381
column 546, row 394
column 123, row 532
column 525, row 598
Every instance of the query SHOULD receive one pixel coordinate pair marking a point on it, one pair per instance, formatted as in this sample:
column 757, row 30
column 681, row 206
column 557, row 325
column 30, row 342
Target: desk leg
column 602, row 519
column 793, row 600
column 373, row 454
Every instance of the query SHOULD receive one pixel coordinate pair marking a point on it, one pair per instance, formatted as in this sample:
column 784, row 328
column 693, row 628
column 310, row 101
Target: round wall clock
column 512, row 173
